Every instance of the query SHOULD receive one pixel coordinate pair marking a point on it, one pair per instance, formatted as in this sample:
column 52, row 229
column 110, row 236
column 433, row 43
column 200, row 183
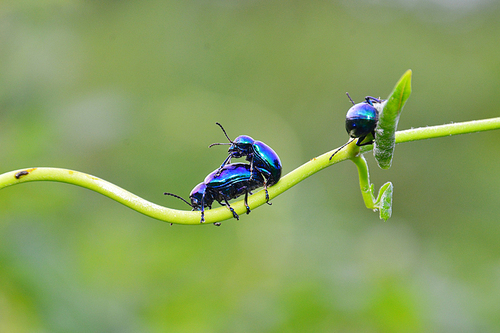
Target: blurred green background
column 130, row 91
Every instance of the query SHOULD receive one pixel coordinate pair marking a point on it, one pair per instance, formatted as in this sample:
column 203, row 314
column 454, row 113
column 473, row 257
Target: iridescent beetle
column 360, row 121
column 261, row 157
column 223, row 184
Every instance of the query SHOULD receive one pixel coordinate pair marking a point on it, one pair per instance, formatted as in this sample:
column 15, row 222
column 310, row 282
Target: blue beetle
column 360, row 121
column 224, row 184
column 261, row 157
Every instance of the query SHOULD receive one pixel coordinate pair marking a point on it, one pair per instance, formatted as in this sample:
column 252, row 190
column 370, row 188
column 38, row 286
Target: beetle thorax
column 241, row 146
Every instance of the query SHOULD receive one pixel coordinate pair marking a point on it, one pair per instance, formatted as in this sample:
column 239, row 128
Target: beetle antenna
column 220, row 144
column 222, row 128
column 350, row 98
column 178, row 197
column 339, row 149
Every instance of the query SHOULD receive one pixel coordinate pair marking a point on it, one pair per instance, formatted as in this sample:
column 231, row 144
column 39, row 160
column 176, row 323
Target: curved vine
column 257, row 199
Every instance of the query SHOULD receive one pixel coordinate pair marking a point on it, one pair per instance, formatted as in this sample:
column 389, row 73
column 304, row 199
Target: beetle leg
column 226, row 161
column 264, row 173
column 236, row 216
column 246, row 202
column 361, row 138
column 251, row 169
column 202, row 209
column 267, row 193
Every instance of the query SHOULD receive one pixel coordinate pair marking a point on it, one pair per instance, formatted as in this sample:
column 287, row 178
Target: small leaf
column 384, row 201
column 388, row 121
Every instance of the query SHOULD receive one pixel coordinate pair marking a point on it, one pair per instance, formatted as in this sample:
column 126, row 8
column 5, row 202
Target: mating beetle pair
column 230, row 181
column 261, row 157
column 221, row 185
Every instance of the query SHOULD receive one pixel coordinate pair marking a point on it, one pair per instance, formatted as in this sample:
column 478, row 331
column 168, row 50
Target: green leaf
column 388, row 121
column 384, row 201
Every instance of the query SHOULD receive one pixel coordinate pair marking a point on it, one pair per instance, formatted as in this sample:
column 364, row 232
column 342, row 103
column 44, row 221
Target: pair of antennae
column 222, row 143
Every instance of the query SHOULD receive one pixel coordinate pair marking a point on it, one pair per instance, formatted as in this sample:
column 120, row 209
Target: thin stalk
column 222, row 213
column 364, row 181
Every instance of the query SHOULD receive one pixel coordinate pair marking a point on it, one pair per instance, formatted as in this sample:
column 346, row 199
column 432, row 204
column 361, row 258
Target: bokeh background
column 130, row 91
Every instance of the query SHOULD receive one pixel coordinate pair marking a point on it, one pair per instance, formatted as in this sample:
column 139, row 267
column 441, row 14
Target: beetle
column 221, row 185
column 360, row 121
column 261, row 157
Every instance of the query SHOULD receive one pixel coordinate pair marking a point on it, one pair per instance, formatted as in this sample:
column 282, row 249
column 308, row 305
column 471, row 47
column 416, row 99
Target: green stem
column 447, row 130
column 364, row 181
column 222, row 213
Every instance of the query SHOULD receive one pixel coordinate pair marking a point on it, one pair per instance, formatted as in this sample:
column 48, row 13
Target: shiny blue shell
column 233, row 180
column 261, row 157
column 361, row 120
column 228, row 183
